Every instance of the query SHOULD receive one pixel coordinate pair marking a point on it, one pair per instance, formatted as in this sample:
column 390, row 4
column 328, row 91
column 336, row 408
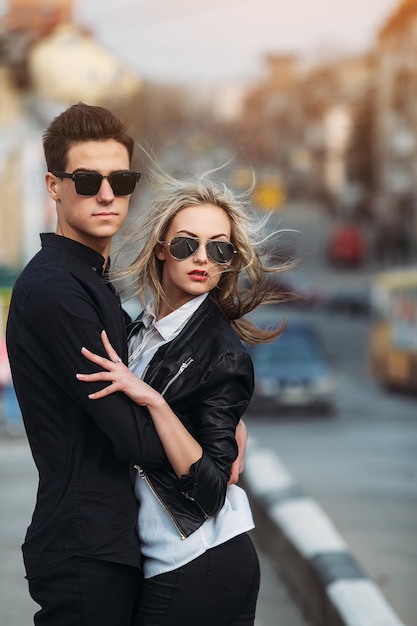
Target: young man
column 81, row 550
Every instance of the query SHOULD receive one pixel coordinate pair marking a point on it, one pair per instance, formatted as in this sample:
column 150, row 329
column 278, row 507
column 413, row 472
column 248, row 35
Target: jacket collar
column 198, row 324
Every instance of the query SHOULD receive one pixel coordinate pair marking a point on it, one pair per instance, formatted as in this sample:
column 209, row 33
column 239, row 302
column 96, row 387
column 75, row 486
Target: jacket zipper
column 183, row 366
column 144, row 477
column 142, row 473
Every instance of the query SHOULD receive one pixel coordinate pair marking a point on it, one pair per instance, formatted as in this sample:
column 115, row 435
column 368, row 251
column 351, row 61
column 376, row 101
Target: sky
column 219, row 41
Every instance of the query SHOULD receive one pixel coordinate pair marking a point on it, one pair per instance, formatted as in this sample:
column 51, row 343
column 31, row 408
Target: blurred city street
column 359, row 462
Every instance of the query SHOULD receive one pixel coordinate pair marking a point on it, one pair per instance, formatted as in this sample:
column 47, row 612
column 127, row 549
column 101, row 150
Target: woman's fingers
column 97, row 377
column 112, row 354
column 95, row 358
column 101, row 394
column 113, row 357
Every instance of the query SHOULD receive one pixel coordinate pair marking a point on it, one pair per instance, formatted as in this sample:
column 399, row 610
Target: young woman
column 190, row 370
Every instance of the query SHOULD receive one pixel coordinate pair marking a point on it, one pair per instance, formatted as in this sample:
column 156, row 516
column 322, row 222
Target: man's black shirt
column 84, row 449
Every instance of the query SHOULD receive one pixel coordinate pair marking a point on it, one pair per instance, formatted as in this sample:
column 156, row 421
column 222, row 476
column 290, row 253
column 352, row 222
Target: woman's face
column 197, row 274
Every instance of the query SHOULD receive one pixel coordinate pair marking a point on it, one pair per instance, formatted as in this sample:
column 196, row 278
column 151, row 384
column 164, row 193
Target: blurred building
column 269, row 113
column 34, row 17
column 301, row 120
column 334, row 94
column 47, row 63
column 395, row 148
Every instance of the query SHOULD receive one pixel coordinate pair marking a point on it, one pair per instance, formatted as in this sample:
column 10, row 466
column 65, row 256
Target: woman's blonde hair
column 243, row 285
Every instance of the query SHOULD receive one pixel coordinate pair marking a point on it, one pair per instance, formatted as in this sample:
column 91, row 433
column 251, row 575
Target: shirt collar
column 85, row 254
column 170, row 324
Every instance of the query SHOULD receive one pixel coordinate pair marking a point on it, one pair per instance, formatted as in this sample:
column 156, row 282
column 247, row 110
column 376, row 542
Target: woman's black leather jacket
column 206, row 376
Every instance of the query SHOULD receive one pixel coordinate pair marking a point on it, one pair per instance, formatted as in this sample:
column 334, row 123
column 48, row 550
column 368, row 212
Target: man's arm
column 61, row 319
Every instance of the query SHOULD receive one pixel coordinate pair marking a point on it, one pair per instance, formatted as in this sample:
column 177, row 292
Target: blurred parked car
column 346, row 246
column 293, row 372
column 350, row 301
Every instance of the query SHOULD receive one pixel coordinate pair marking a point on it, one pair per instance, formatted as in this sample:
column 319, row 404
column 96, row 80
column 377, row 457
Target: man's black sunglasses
column 123, row 183
column 183, row 247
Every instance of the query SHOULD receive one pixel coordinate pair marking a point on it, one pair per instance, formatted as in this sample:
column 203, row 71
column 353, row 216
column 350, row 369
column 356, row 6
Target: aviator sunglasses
column 122, row 182
column 183, row 247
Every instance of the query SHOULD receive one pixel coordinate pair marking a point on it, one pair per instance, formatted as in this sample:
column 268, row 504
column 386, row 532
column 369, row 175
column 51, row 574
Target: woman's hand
column 181, row 448
column 119, row 376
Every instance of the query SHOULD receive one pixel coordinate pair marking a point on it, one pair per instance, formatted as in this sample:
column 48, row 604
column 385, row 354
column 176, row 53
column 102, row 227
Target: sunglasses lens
column 123, row 183
column 183, row 247
column 87, row 183
column 220, row 251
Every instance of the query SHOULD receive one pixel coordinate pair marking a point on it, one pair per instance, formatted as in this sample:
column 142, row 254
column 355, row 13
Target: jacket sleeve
column 224, row 397
column 64, row 319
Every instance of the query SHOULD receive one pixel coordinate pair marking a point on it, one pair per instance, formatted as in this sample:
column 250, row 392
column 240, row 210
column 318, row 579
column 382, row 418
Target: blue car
column 293, row 372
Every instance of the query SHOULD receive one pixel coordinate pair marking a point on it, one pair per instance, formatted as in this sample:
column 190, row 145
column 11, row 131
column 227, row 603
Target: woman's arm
column 180, row 447
column 199, row 467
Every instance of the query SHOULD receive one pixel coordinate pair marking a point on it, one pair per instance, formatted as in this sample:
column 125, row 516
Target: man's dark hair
column 81, row 122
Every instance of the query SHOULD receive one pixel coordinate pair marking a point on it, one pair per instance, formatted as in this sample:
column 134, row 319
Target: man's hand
column 241, row 435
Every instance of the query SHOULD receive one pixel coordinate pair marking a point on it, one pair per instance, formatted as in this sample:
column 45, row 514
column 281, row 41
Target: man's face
column 91, row 220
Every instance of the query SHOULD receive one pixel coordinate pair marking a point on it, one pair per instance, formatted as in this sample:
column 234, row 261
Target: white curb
column 310, row 550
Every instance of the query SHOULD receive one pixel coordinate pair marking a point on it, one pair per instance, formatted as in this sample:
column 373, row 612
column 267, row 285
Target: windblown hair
column 79, row 123
column 243, row 286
